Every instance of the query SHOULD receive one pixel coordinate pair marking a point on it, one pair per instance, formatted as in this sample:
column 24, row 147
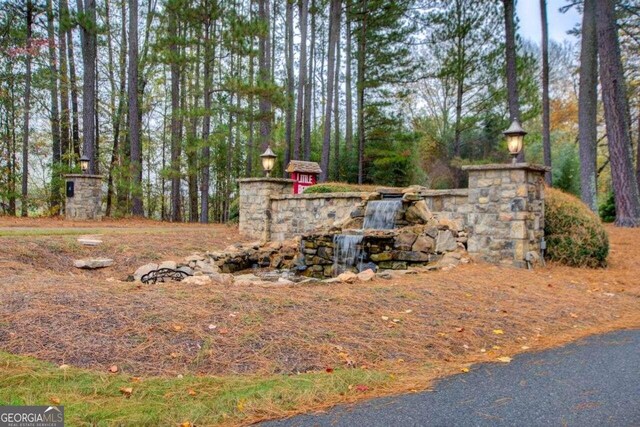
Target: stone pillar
column 506, row 219
column 255, row 204
column 84, row 197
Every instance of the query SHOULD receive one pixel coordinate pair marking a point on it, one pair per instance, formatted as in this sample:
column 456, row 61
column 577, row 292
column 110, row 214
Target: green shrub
column 608, row 209
column 575, row 236
column 338, row 187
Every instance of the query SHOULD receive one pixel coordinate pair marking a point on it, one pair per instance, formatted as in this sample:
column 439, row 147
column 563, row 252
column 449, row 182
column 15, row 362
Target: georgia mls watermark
column 31, row 416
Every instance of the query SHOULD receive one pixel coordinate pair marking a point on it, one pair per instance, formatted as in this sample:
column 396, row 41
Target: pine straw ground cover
column 235, row 355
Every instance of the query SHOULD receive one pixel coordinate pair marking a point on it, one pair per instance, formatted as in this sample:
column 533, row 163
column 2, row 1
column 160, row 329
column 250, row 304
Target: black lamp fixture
column 268, row 160
column 515, row 139
column 84, row 163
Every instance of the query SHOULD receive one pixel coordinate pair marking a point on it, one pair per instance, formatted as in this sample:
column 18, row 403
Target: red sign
column 303, row 180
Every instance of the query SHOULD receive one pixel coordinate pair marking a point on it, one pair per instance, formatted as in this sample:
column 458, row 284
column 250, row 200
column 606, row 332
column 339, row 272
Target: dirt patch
column 473, row 313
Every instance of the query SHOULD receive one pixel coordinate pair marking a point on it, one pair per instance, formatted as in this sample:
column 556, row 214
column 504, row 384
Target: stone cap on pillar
column 268, row 179
column 82, row 175
column 507, row 166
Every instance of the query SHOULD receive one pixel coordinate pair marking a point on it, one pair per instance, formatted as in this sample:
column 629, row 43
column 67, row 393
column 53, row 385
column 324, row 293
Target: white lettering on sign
column 305, row 179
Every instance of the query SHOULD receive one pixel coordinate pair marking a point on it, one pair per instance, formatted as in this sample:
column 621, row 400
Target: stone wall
column 502, row 211
column 86, row 202
column 255, row 202
column 293, row 215
column 506, row 217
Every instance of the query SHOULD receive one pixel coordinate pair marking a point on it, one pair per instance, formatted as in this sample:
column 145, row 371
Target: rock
column 206, row 267
column 419, row 213
column 89, row 242
column 197, row 280
column 221, row 278
column 404, row 241
column 141, row 271
column 186, row 269
column 423, row 244
column 366, row 275
column 414, row 189
column 309, row 280
column 332, row 280
column 93, row 263
column 450, row 224
column 445, row 242
column 410, row 256
column 168, row 264
column 248, row 277
column 284, row 281
column 193, row 258
column 384, row 256
column 411, row 197
column 385, row 275
column 450, row 259
column 347, row 277
column 367, row 266
column 371, row 196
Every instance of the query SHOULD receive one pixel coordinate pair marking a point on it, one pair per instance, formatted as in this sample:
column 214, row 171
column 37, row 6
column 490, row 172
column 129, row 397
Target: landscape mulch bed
column 441, row 319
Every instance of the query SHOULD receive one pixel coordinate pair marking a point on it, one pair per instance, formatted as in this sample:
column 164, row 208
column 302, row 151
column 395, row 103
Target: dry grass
column 445, row 320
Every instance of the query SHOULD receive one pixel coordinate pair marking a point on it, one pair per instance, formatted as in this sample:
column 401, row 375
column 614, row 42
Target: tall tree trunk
column 348, row 138
column 638, row 150
column 588, row 106
column 546, row 121
column 265, row 74
column 135, row 144
column 192, row 147
column 175, row 118
column 362, row 45
column 309, row 87
column 302, row 81
column 290, row 88
column 73, row 79
column 65, row 124
column 27, row 106
column 88, row 38
column 616, row 113
column 512, row 71
column 55, row 198
column 209, row 54
column 334, row 34
column 336, row 113
column 13, row 169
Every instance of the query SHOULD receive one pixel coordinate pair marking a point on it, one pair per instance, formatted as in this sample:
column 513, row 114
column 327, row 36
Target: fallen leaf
column 460, row 329
column 498, row 331
column 212, row 326
column 328, row 370
column 186, row 424
column 483, row 350
column 385, row 318
column 126, row 391
column 54, row 400
column 223, row 331
column 177, row 328
column 408, row 311
column 525, row 347
column 465, row 370
column 362, row 388
column 350, row 386
column 64, row 366
column 191, row 392
column 504, row 359
column 396, row 320
column 136, row 379
column 174, row 355
column 573, row 315
column 496, row 347
column 240, row 405
column 442, row 334
column 113, row 369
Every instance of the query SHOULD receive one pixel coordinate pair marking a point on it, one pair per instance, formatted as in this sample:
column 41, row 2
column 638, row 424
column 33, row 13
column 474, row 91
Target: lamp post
column 268, row 160
column 84, row 163
column 515, row 137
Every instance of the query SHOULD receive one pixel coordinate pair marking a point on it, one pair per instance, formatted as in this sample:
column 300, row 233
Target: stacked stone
column 86, row 203
column 255, row 204
column 506, row 221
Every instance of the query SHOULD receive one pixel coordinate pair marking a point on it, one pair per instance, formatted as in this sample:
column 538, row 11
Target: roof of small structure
column 302, row 166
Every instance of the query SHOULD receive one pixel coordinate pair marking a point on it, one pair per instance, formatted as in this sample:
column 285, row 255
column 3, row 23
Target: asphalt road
column 594, row 382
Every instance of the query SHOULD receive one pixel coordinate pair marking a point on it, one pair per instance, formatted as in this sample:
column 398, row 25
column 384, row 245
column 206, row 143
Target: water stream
column 348, row 252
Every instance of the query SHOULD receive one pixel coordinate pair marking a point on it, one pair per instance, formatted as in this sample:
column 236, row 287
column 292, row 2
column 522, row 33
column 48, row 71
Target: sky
column 528, row 12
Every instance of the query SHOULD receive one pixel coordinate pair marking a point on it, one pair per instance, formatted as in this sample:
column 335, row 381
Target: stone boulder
column 419, row 213
column 145, row 269
column 93, row 263
column 197, row 280
column 347, row 277
column 423, row 244
column 168, row 264
column 366, row 275
column 445, row 242
column 404, row 241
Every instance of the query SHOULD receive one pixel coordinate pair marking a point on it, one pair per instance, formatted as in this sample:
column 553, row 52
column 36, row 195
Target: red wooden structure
column 304, row 173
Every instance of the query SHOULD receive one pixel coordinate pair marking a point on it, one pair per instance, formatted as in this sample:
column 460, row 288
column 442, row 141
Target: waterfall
column 381, row 214
column 347, row 252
